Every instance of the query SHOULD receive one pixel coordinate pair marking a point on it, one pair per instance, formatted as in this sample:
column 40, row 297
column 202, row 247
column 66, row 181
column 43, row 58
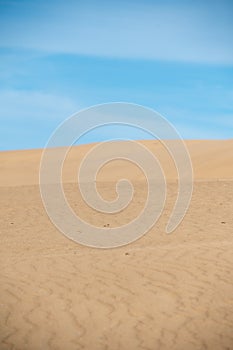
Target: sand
column 160, row 292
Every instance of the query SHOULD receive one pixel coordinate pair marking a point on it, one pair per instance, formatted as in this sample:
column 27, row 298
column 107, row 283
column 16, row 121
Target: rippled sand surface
column 161, row 292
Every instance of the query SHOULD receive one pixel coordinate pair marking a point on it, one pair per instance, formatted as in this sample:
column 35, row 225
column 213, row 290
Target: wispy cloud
column 28, row 118
column 181, row 31
column 171, row 55
column 28, row 105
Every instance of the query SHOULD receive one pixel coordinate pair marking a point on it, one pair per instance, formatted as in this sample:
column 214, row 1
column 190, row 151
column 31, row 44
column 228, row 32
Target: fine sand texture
column 163, row 291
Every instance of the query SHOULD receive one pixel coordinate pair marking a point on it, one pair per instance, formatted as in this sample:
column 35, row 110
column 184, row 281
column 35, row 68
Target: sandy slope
column 160, row 292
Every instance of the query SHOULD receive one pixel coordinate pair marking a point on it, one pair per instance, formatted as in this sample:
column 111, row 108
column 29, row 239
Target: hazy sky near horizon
column 58, row 57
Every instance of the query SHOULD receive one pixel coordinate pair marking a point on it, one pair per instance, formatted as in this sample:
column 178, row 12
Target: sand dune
column 211, row 160
column 160, row 292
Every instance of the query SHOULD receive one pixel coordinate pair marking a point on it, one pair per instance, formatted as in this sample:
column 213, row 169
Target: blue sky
column 58, row 57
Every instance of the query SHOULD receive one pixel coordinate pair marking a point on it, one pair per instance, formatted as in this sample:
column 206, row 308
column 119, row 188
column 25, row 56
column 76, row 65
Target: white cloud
column 169, row 31
column 18, row 105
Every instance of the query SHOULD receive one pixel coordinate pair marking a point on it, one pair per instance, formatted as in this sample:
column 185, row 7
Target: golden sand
column 160, row 292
